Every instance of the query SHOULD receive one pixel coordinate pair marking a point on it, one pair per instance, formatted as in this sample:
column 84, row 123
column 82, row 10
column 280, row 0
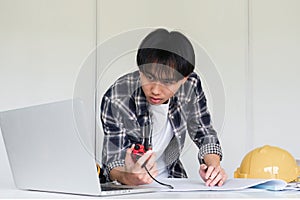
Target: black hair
column 170, row 49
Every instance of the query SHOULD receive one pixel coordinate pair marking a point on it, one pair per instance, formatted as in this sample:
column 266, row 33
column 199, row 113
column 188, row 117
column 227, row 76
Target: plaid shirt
column 125, row 118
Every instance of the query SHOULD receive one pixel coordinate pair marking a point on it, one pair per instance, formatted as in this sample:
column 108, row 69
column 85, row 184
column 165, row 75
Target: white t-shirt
column 161, row 135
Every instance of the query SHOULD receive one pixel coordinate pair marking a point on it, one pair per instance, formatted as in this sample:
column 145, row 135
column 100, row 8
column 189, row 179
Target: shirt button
column 171, row 116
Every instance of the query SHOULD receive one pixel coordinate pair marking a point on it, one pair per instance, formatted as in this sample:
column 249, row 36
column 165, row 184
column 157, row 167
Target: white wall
column 43, row 44
column 275, row 70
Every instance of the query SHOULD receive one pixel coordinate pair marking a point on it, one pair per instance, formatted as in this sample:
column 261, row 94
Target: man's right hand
column 133, row 173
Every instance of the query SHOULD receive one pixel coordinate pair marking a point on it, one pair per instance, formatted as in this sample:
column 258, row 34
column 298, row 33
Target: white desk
column 12, row 193
column 8, row 191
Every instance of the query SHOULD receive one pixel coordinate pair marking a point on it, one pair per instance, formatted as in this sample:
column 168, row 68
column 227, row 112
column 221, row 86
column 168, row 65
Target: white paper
column 230, row 184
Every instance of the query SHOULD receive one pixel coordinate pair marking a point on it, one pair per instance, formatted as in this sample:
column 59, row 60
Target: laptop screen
column 48, row 150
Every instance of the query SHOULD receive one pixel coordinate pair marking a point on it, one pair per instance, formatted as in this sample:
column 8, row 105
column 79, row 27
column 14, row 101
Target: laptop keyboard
column 112, row 186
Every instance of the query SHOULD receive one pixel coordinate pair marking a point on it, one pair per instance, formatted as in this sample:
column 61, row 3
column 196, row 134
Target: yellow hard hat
column 268, row 162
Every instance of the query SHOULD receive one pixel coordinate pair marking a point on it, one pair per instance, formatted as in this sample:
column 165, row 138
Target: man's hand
column 212, row 173
column 133, row 173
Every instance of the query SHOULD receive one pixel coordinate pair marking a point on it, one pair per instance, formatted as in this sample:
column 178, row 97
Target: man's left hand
column 212, row 175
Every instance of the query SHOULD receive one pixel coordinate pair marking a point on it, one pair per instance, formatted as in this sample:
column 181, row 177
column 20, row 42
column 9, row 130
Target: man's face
column 159, row 91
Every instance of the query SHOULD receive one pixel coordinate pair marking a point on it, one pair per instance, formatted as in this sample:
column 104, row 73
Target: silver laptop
column 49, row 148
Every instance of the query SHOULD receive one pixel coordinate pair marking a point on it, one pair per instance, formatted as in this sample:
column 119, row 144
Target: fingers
column 202, row 171
column 129, row 163
column 214, row 181
column 213, row 175
column 203, row 167
column 135, row 170
column 209, row 172
column 146, row 159
column 222, row 181
column 219, row 179
column 150, row 161
column 214, row 172
column 150, row 165
column 154, row 171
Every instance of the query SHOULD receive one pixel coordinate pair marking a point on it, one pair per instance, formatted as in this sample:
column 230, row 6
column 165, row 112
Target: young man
column 156, row 106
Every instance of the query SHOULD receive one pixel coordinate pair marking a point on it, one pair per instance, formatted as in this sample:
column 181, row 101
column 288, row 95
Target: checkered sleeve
column 209, row 149
column 114, row 141
column 199, row 123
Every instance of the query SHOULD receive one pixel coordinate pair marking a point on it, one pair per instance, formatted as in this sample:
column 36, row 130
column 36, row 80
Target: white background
column 254, row 44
